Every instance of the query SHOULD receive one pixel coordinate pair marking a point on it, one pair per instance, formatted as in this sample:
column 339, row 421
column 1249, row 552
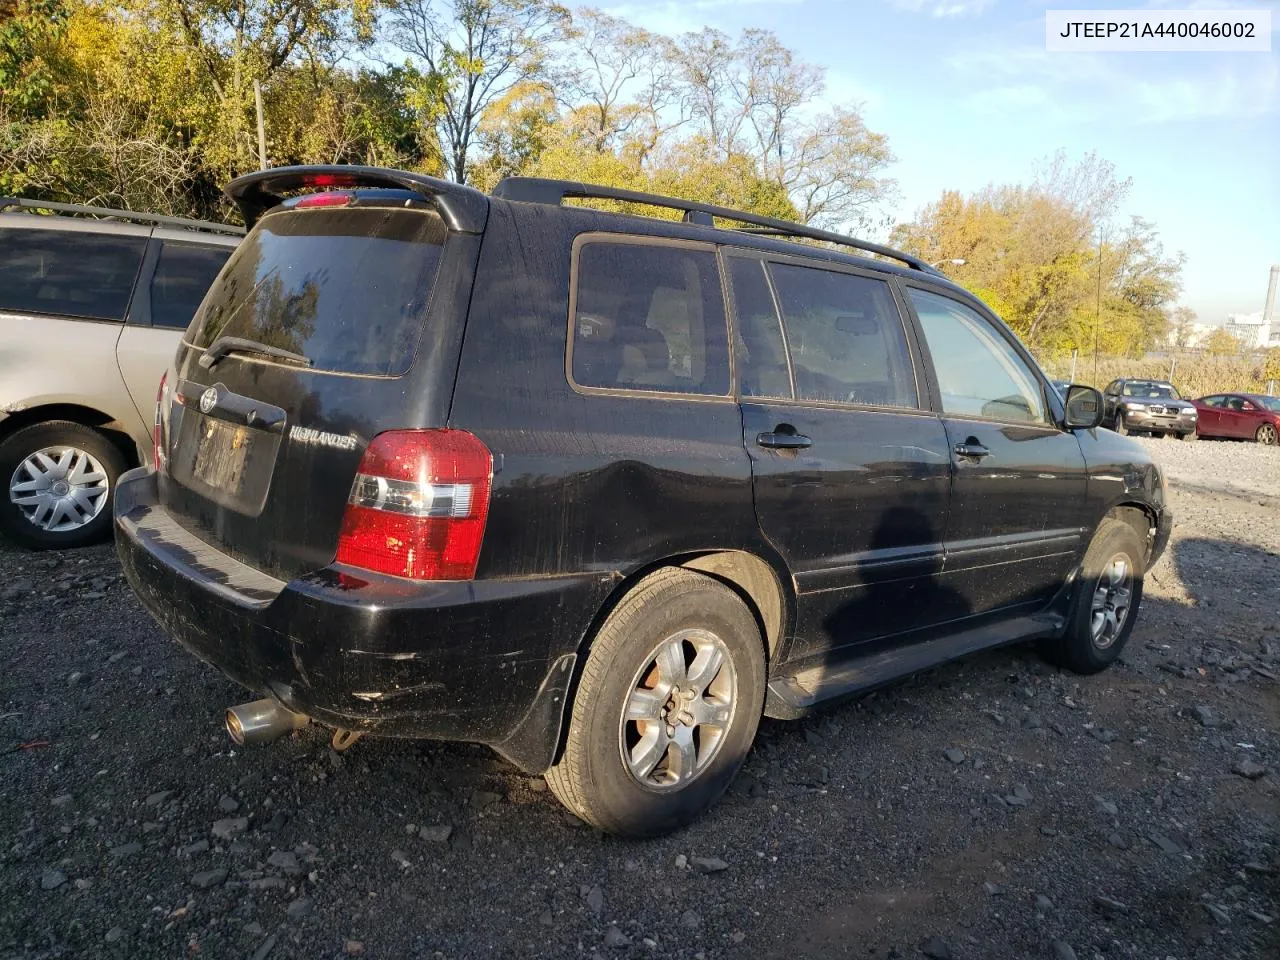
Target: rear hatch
column 310, row 342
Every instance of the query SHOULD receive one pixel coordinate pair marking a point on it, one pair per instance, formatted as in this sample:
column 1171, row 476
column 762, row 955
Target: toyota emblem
column 208, row 400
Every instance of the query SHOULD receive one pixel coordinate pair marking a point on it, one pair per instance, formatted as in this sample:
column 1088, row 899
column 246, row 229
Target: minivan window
column 346, row 288
column 184, row 273
column 979, row 374
column 762, row 356
column 68, row 272
column 649, row 317
column 845, row 336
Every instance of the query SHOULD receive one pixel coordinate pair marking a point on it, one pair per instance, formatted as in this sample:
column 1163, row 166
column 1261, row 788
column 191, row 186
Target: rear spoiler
column 462, row 208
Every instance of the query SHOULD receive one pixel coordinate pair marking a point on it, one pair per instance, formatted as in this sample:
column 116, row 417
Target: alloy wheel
column 1267, row 434
column 1111, row 600
column 679, row 710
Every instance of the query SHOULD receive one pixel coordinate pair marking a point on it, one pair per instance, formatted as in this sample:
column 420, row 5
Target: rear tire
column 1266, row 435
column 656, row 654
column 1108, row 593
column 63, row 475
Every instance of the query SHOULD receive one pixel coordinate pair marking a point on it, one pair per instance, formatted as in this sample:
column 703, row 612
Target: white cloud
column 944, row 8
column 1083, row 87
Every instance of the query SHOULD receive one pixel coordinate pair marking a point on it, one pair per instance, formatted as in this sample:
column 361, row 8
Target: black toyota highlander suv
column 600, row 490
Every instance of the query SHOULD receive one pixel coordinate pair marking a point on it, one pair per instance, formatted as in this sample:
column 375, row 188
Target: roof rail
column 461, row 207
column 106, row 212
column 539, row 190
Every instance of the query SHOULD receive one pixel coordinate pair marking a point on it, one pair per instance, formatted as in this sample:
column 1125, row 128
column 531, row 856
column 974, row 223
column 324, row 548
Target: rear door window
column 184, row 273
column 348, row 288
column 649, row 316
column 845, row 337
column 762, row 354
column 68, row 272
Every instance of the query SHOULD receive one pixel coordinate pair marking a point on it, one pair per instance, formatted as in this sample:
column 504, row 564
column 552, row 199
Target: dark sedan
column 1239, row 416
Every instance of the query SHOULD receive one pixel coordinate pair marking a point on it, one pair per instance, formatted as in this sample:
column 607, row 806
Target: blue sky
column 967, row 95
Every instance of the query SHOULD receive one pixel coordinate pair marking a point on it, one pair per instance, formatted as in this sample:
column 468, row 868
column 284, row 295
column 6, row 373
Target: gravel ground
column 995, row 808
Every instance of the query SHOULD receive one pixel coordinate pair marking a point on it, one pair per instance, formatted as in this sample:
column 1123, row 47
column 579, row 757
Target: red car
column 1239, row 416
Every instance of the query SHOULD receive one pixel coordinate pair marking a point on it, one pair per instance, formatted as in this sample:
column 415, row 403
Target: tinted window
column 1148, row 390
column 68, row 272
column 762, row 358
column 979, row 374
column 650, row 317
column 183, row 275
column 1113, row 388
column 1215, row 402
column 845, row 336
column 346, row 288
column 1269, row 403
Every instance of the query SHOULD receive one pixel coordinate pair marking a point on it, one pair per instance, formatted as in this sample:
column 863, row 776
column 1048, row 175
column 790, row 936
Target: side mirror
column 1084, row 407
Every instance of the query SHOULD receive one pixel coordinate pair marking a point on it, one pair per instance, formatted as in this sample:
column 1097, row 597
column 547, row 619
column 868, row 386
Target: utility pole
column 1097, row 311
column 262, row 129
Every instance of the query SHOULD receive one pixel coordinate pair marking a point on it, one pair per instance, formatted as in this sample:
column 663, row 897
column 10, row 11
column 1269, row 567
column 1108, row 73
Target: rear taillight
column 157, row 431
column 418, row 505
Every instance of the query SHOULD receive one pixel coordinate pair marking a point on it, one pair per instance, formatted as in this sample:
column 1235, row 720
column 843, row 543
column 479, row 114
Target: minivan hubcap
column 59, row 489
column 1111, row 600
column 679, row 709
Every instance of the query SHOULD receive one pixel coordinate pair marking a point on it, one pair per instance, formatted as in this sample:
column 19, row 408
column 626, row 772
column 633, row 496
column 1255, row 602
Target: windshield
column 1271, row 403
column 1146, row 390
column 346, row 289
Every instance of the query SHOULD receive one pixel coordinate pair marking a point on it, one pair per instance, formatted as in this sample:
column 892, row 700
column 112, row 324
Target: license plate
column 222, row 452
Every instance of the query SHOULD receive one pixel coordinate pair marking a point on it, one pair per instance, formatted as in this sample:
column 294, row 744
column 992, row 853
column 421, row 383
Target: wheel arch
column 1142, row 517
column 768, row 594
column 86, row 416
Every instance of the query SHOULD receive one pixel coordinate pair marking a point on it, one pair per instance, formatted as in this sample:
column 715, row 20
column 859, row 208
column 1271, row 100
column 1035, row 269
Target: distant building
column 1260, row 329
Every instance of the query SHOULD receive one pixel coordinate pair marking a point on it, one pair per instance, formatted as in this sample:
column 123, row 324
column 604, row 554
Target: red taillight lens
column 328, row 180
column 157, row 430
column 418, row 505
column 323, row 200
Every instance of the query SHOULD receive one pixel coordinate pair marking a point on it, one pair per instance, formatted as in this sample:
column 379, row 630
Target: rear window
column 68, row 272
column 650, row 317
column 348, row 289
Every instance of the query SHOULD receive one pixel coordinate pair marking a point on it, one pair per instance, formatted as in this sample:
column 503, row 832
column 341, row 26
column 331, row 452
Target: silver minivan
column 93, row 303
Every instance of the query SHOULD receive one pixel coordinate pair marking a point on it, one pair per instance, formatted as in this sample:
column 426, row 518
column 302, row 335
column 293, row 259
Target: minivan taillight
column 157, row 430
column 418, row 505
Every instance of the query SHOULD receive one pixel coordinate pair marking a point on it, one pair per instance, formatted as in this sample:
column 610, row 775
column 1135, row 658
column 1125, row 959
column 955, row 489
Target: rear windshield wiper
column 225, row 345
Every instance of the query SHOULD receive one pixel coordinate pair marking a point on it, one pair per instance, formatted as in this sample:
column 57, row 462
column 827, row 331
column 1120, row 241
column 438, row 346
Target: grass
column 1195, row 375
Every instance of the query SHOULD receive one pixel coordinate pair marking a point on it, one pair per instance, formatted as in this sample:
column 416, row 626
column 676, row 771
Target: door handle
column 972, row 449
column 783, row 441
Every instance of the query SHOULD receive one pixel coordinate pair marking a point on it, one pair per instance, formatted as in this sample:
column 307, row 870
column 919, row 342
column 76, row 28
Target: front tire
column 1106, row 604
column 1122, row 428
column 667, row 707
column 59, row 479
column 1267, row 435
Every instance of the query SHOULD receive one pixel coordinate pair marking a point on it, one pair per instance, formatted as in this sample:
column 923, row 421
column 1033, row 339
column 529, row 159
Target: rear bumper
column 489, row 661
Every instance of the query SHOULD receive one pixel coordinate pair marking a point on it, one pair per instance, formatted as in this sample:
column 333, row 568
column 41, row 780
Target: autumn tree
column 477, row 51
column 1221, row 343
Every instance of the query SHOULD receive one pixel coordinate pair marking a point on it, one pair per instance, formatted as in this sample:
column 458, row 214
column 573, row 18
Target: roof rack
column 105, row 212
column 553, row 192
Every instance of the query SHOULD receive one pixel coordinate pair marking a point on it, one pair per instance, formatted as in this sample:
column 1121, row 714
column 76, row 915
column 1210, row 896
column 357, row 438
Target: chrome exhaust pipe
column 262, row 721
